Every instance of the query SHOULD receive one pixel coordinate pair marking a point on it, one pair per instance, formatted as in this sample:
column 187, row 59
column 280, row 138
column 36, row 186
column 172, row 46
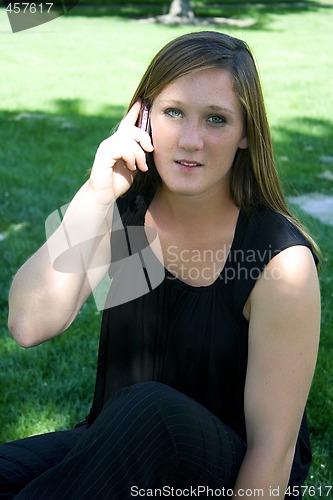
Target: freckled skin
column 197, row 127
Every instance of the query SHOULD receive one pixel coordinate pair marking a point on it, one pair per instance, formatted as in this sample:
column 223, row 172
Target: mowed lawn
column 63, row 87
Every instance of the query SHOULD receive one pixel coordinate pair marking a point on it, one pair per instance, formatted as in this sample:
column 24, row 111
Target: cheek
column 162, row 138
column 160, row 156
column 228, row 144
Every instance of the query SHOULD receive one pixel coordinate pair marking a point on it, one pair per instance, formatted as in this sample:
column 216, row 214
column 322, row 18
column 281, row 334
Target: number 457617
column 25, row 7
column 311, row 491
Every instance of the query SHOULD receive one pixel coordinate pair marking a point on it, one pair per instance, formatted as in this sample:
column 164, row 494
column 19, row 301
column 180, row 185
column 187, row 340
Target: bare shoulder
column 289, row 279
column 292, row 266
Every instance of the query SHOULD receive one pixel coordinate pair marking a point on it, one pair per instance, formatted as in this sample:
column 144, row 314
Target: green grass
column 64, row 86
column 260, row 11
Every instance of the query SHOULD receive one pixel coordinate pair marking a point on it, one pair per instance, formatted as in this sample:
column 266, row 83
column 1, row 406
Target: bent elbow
column 29, row 331
column 26, row 343
column 22, row 340
column 24, row 335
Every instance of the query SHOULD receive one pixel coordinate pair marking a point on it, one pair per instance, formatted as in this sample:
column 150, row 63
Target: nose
column 190, row 137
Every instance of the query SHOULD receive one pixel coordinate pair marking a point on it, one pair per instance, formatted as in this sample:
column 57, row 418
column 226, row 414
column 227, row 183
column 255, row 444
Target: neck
column 185, row 209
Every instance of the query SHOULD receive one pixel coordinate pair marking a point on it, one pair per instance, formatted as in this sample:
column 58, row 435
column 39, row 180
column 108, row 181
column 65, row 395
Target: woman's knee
column 168, row 424
column 156, row 411
column 143, row 398
column 143, row 416
column 139, row 405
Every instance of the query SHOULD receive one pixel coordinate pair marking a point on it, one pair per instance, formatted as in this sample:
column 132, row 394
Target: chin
column 184, row 190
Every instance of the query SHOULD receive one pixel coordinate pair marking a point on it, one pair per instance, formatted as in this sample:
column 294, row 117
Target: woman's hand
column 118, row 158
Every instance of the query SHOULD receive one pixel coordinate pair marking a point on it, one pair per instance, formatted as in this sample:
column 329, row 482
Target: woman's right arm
column 48, row 292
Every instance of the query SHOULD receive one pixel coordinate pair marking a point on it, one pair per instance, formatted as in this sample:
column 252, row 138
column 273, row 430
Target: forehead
column 213, row 85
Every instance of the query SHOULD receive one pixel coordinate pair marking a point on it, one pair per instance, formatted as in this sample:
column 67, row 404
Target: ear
column 243, row 143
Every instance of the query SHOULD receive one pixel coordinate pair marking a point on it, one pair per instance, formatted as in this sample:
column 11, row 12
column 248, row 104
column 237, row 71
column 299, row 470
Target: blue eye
column 174, row 113
column 216, row 120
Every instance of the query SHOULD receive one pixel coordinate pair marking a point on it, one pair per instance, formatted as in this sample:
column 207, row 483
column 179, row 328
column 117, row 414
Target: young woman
column 202, row 379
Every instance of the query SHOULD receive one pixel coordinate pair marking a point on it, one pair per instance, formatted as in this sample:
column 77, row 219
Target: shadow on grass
column 47, row 158
column 304, row 152
column 260, row 15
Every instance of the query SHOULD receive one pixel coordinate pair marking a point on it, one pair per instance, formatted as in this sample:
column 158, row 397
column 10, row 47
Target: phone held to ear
column 143, row 120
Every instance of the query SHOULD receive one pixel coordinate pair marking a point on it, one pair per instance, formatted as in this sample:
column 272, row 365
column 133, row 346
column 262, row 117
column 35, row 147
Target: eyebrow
column 215, row 107
column 212, row 107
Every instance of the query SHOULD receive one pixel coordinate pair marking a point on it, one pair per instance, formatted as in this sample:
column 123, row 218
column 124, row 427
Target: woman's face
column 197, row 127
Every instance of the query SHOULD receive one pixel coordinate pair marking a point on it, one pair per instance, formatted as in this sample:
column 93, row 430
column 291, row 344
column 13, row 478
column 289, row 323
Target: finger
column 130, row 161
column 132, row 115
column 139, row 158
column 133, row 157
column 143, row 138
column 145, row 141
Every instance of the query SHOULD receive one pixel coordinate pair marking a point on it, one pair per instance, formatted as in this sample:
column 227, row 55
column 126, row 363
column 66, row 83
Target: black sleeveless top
column 191, row 338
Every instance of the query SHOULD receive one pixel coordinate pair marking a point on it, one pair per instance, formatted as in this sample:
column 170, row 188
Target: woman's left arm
column 284, row 328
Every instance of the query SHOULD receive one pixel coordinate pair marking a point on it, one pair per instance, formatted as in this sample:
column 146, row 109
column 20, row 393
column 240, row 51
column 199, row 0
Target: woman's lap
column 147, row 436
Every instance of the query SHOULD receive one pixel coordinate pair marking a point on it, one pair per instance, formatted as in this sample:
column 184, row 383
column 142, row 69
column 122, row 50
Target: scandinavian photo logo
column 25, row 15
column 135, row 269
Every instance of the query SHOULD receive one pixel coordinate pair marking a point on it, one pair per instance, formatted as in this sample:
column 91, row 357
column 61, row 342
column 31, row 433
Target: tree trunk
column 181, row 8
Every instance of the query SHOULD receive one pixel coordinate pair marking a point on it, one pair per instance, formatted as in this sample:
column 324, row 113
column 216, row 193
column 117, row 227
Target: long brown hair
column 254, row 178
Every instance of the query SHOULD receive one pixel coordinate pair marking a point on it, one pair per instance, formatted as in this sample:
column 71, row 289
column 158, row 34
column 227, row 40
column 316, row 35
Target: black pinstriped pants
column 147, row 437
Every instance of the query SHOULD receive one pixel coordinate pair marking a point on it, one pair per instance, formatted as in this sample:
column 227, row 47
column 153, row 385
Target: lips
column 188, row 164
